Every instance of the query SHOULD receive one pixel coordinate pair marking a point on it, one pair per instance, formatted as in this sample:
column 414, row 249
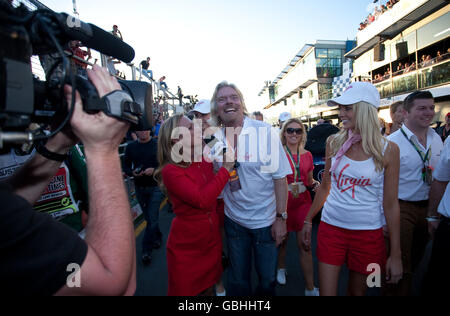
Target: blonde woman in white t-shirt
column 359, row 188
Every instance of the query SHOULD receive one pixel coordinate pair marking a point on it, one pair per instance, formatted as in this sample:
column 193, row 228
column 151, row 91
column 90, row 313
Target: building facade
column 407, row 49
column 305, row 84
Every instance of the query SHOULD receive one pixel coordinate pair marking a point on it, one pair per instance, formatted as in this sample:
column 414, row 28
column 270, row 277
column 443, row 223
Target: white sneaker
column 281, row 276
column 314, row 292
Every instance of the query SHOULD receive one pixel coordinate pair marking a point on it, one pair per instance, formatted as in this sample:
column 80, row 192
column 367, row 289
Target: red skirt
column 194, row 254
column 297, row 210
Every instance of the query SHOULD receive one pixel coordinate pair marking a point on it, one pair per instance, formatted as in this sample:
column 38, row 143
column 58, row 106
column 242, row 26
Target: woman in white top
column 360, row 184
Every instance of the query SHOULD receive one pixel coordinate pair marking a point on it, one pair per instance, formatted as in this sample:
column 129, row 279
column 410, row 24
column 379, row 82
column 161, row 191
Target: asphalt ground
column 152, row 279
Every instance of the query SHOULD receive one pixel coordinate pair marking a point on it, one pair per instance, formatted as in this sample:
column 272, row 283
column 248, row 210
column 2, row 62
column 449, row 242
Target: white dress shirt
column 442, row 173
column 262, row 160
column 411, row 186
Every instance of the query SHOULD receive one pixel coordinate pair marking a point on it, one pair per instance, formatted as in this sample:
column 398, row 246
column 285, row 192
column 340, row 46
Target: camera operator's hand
column 98, row 132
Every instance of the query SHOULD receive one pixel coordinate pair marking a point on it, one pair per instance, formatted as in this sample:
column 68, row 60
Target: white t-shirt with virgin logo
column 355, row 201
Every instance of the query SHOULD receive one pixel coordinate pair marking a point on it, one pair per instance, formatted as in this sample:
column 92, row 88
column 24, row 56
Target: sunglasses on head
column 297, row 131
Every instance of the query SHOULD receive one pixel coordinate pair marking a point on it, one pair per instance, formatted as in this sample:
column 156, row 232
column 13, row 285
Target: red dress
column 298, row 208
column 194, row 246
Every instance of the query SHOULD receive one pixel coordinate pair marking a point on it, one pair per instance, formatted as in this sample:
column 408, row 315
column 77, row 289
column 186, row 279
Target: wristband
column 43, row 151
column 433, row 219
column 307, row 223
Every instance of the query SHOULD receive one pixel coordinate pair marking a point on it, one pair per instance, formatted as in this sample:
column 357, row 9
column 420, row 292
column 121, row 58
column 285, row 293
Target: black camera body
column 25, row 99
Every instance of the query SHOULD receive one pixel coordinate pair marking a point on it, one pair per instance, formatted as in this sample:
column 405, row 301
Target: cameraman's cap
column 203, row 106
column 285, row 116
column 358, row 92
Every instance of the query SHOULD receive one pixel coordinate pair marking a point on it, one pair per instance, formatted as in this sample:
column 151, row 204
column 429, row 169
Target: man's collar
column 410, row 134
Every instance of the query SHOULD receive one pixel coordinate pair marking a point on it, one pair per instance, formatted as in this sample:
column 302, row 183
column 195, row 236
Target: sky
column 198, row 43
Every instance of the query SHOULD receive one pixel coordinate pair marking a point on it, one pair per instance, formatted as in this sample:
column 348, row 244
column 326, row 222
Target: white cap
column 203, row 106
column 358, row 92
column 285, row 116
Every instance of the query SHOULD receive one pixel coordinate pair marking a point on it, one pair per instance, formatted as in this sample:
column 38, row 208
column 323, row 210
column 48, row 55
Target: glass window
column 335, row 62
column 325, row 91
column 322, row 62
column 434, row 31
column 321, row 53
column 335, row 53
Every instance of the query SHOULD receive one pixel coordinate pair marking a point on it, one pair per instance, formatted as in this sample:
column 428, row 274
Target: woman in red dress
column 293, row 137
column 194, row 246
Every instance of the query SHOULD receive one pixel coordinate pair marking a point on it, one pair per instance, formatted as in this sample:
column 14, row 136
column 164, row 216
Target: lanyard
column 423, row 158
column 296, row 165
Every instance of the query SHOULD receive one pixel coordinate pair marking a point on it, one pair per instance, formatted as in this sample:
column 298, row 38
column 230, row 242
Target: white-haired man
column 255, row 197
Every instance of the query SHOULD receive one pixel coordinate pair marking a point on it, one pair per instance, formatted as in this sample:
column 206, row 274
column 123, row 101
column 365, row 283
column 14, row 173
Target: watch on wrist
column 283, row 215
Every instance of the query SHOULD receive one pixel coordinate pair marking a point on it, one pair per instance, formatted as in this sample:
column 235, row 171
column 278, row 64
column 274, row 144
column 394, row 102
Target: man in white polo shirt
column 438, row 278
column 256, row 195
column 420, row 149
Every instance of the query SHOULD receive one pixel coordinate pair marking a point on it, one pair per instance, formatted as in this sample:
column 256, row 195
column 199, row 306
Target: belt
column 423, row 203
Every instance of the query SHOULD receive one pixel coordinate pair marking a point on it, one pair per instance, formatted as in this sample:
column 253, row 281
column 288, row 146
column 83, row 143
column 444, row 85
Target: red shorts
column 357, row 248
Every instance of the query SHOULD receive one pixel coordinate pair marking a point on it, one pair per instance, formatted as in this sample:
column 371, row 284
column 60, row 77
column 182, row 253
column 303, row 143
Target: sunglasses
column 297, row 131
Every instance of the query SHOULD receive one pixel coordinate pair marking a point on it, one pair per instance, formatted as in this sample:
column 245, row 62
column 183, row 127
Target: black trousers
column 437, row 280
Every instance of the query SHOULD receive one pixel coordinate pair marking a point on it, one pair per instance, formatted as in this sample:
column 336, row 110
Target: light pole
column 75, row 12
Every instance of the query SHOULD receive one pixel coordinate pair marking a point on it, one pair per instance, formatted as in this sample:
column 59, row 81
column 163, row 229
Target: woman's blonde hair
column 367, row 125
column 165, row 144
column 283, row 130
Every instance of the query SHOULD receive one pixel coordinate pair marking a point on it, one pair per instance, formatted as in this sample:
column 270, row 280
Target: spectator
column 406, row 68
column 258, row 116
column 382, row 126
column 162, row 83
column 254, row 227
column 145, row 64
column 317, row 138
column 436, row 282
column 116, row 32
column 78, row 52
column 444, row 130
column 202, row 111
column 140, row 162
column 397, row 116
column 293, row 137
column 283, row 118
column 377, row 12
column 420, row 148
column 194, row 246
column 400, row 69
column 36, row 250
column 180, row 95
column 428, row 61
column 439, row 56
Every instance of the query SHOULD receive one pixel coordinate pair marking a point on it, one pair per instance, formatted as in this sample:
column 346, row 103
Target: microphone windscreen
column 108, row 44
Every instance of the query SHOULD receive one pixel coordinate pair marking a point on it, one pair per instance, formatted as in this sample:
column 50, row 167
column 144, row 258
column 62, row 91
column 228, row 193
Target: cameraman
column 37, row 252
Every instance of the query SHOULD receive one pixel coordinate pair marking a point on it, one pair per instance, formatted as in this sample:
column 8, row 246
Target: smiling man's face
column 229, row 106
